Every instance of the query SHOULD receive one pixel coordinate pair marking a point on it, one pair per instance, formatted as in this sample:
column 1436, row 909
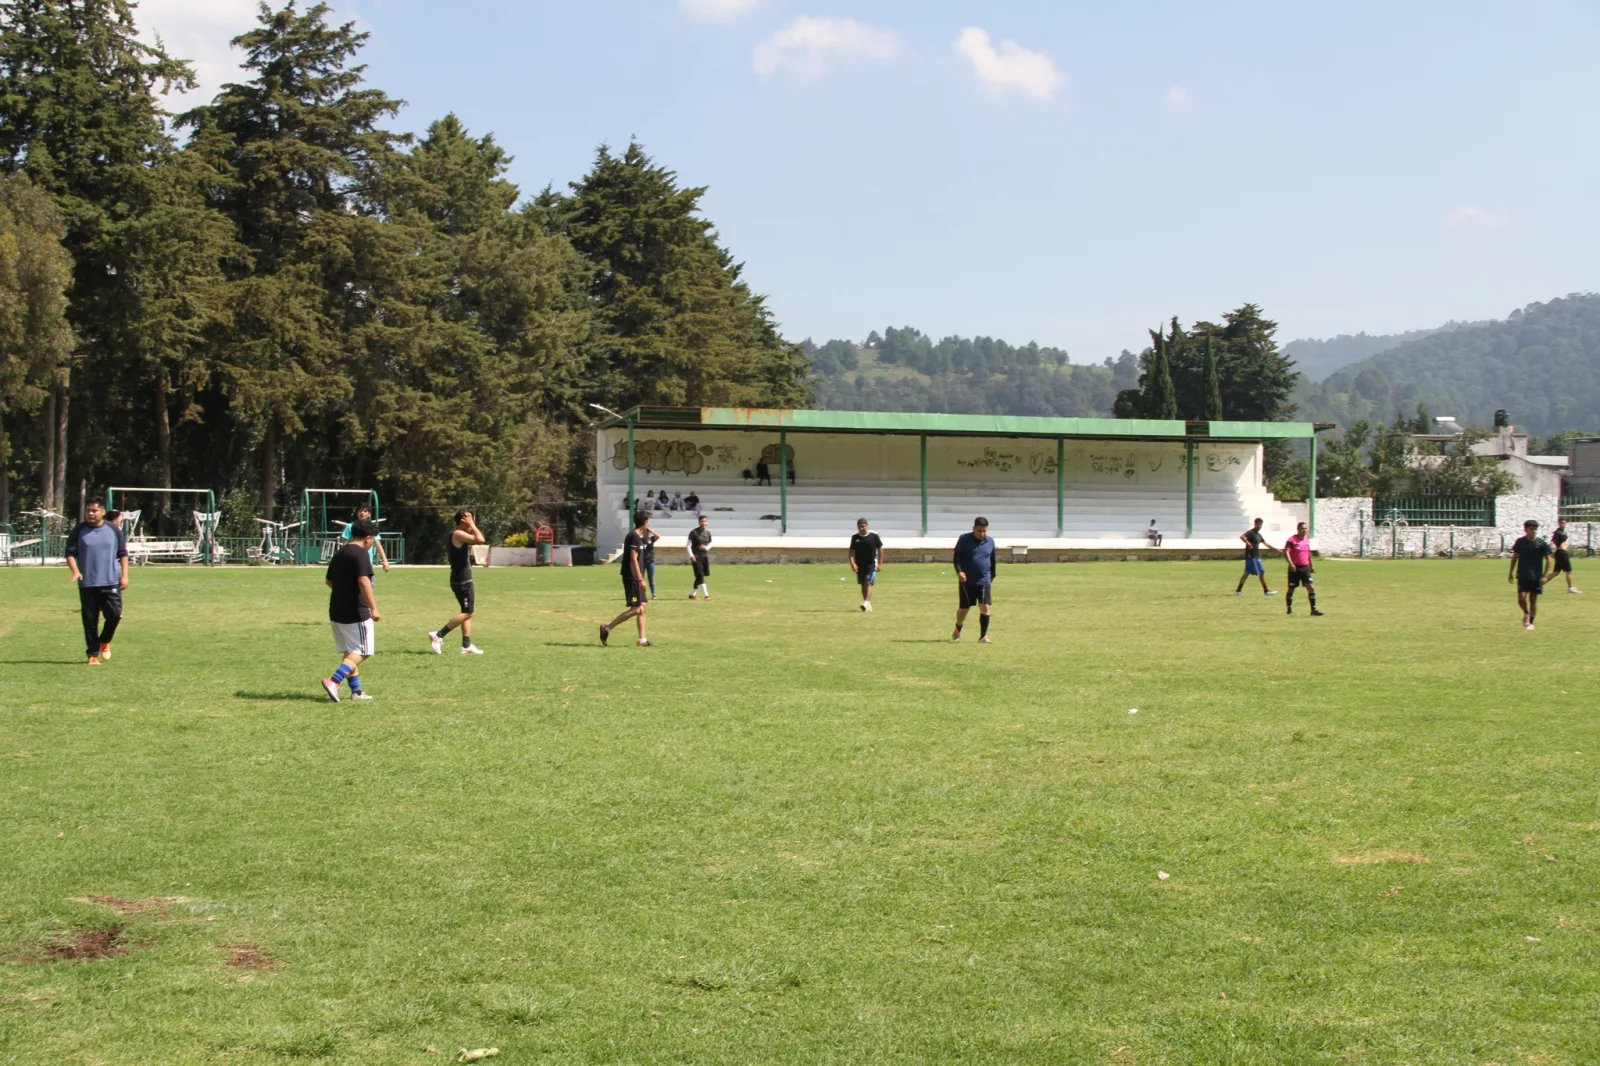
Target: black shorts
column 1299, row 575
column 974, row 595
column 1563, row 561
column 1531, row 587
column 466, row 596
column 702, row 568
column 633, row 592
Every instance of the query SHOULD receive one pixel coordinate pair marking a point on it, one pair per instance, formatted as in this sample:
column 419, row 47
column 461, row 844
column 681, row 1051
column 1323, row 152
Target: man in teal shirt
column 375, row 553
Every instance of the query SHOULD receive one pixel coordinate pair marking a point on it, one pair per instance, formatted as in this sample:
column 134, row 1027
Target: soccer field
column 791, row 832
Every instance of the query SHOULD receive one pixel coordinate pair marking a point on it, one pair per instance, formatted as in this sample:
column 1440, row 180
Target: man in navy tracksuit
column 97, row 555
column 974, row 562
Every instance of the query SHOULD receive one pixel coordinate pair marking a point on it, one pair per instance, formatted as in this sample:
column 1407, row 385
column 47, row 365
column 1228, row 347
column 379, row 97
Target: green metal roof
column 888, row 422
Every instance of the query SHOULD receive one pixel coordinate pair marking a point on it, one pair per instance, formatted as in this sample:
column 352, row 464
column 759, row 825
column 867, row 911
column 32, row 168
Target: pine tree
column 1160, row 399
column 1213, row 385
column 676, row 323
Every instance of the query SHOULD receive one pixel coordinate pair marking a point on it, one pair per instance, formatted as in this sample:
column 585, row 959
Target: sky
column 1066, row 172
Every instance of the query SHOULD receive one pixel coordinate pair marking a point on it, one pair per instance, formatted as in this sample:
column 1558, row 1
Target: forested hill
column 1316, row 359
column 905, row 370
column 1542, row 364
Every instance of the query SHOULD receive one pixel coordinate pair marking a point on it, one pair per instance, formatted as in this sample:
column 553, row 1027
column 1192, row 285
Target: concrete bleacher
column 823, row 512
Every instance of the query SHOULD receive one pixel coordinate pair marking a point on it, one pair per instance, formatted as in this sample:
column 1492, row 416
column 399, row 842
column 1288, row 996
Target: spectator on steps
column 1153, row 535
column 677, row 501
column 763, row 472
column 650, row 500
column 691, row 502
column 661, row 501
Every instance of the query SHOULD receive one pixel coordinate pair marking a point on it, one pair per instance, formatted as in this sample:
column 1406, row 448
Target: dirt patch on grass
column 250, row 957
column 125, row 908
column 1378, row 857
column 79, row 945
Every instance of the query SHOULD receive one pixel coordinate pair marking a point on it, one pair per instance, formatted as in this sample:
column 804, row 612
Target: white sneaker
column 331, row 687
column 1270, row 592
column 1574, row 590
column 471, row 649
column 863, row 607
column 1238, row 592
column 436, row 642
column 869, row 606
column 360, row 696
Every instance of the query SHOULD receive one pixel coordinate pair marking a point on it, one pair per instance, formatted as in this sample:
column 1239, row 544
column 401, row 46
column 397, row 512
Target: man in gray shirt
column 98, row 557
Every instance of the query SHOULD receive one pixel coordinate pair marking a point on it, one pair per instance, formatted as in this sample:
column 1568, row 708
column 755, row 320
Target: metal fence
column 1580, row 508
column 25, row 547
column 1436, row 510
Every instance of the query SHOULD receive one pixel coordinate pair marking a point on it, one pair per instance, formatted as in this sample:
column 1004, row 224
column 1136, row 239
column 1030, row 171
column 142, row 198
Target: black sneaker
column 604, row 633
column 1288, row 610
column 1315, row 613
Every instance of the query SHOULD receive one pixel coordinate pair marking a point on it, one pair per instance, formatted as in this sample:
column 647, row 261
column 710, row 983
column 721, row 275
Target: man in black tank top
column 462, row 538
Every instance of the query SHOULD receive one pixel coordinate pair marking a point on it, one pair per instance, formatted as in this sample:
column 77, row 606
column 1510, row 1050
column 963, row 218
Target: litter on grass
column 477, row 1054
column 1133, row 710
column 1163, row 874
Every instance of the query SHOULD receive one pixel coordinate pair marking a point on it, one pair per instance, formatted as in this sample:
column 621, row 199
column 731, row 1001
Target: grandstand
column 1050, row 487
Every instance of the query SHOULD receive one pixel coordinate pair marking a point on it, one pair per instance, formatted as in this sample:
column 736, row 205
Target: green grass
column 794, row 833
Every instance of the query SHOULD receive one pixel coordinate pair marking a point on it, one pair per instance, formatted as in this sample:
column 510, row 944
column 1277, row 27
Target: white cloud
column 1011, row 67
column 1178, row 98
column 808, row 45
column 1474, row 216
column 715, row 10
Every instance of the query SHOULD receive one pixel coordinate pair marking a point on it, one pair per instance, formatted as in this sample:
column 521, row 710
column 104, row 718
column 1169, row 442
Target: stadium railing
column 1436, row 510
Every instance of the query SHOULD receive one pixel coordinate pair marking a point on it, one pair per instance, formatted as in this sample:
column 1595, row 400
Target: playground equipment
column 322, row 529
column 12, row 550
column 274, row 547
column 201, row 547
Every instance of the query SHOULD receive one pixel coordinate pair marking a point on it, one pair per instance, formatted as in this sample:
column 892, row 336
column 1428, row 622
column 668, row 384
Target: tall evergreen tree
column 301, row 145
column 677, row 325
column 35, row 339
column 1160, row 399
column 1212, row 410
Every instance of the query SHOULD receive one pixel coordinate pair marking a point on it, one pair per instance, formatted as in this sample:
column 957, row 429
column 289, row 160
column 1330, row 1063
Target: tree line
column 273, row 290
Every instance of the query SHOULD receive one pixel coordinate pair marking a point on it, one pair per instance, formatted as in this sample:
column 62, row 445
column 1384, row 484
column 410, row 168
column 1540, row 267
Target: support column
column 924, row 439
column 1061, row 487
column 783, row 481
column 632, row 506
column 1311, row 491
column 1188, row 467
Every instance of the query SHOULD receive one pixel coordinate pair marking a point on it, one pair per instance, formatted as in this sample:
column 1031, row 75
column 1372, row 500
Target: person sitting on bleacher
column 661, row 501
column 677, row 501
column 1153, row 535
column 691, row 502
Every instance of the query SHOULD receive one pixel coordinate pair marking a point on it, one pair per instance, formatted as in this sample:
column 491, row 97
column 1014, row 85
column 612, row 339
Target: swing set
column 323, row 530
column 201, row 547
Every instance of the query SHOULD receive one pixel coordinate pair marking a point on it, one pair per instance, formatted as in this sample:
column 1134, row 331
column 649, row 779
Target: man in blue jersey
column 974, row 562
column 97, row 556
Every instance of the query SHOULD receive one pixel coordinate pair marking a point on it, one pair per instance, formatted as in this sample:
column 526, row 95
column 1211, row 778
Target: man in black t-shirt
column 1253, row 543
column 459, row 551
column 635, row 589
column 352, row 608
column 1558, row 541
column 1530, row 569
column 700, row 556
column 866, row 559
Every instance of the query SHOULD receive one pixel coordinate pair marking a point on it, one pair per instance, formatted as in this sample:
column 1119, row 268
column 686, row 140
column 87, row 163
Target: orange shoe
column 94, row 660
column 105, row 653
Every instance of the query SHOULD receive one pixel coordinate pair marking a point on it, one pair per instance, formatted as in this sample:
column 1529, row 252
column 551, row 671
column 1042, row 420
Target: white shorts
column 357, row 637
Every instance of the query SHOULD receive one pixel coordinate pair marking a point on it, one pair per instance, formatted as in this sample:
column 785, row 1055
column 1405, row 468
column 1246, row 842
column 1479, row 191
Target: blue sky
column 1069, row 173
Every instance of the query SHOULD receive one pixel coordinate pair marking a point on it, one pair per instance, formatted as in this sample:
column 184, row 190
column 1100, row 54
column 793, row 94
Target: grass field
column 791, row 832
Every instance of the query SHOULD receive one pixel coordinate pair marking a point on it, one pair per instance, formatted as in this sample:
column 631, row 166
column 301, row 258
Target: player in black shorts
column 1530, row 569
column 462, row 538
column 866, row 559
column 1558, row 542
column 700, row 556
column 635, row 589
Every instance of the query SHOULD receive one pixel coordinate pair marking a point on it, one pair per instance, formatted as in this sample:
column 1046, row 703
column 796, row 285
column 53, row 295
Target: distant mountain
column 905, row 370
column 1542, row 365
column 1316, row 359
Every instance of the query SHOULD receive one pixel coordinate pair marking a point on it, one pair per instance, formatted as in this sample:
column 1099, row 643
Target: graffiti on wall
column 993, row 460
column 1042, row 463
column 1114, row 465
column 672, row 456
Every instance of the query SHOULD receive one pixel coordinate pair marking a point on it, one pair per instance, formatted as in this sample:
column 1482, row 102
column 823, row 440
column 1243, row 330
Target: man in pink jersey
column 1297, row 550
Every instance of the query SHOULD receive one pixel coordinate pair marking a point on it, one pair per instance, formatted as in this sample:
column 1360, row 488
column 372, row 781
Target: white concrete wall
column 1511, row 511
column 1339, row 524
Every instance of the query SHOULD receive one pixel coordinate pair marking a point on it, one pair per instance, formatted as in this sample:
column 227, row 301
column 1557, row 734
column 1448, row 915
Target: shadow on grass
column 281, row 697
column 570, row 644
column 41, row 662
column 928, row 640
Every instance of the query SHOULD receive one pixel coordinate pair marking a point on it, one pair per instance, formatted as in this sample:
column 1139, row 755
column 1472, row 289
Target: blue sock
column 355, row 682
column 341, row 673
